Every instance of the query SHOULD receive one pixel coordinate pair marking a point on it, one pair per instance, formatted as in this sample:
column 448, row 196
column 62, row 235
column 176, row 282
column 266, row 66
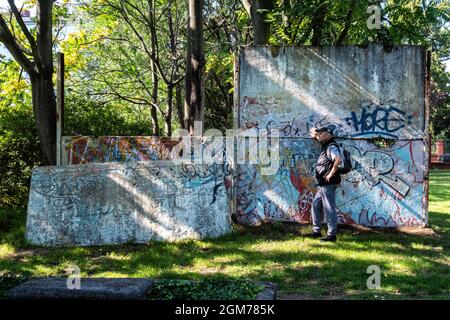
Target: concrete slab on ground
column 55, row 288
column 90, row 289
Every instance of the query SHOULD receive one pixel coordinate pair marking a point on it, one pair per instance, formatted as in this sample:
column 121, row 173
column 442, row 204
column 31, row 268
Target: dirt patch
column 416, row 231
column 23, row 254
column 294, row 228
column 294, row 296
column 423, row 232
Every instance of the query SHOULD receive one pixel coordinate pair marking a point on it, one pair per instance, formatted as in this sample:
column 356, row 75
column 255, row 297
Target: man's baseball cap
column 325, row 129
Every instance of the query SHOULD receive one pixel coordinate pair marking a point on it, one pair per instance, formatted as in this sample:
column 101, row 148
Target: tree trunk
column 153, row 111
column 44, row 108
column 179, row 104
column 195, row 64
column 261, row 28
column 318, row 23
column 170, row 86
column 348, row 20
column 154, row 58
column 168, row 118
column 43, row 94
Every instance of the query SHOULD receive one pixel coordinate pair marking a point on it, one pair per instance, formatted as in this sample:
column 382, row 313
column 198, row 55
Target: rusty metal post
column 59, row 106
column 427, row 135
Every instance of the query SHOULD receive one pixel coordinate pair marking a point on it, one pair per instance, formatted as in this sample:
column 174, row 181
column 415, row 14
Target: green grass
column 413, row 266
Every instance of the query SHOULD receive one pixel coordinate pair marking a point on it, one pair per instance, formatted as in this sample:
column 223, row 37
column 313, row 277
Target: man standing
column 327, row 178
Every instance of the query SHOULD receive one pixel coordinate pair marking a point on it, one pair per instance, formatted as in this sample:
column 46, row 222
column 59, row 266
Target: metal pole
column 59, row 106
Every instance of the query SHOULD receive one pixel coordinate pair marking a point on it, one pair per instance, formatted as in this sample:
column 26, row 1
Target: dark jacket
column 324, row 165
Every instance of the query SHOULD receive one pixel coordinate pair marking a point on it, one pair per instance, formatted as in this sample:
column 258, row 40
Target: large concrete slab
column 90, row 289
column 101, row 289
column 113, row 203
column 364, row 92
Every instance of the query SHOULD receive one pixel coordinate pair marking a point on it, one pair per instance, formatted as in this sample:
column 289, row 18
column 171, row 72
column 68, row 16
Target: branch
column 105, row 38
column 247, row 5
column 13, row 33
column 22, row 25
column 15, row 48
column 58, row 32
column 142, row 41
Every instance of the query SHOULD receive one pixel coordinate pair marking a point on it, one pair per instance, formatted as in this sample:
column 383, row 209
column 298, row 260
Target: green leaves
column 18, row 142
column 220, row 289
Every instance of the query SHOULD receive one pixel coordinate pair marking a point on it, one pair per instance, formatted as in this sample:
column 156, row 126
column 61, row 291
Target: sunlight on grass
column 412, row 266
column 6, row 250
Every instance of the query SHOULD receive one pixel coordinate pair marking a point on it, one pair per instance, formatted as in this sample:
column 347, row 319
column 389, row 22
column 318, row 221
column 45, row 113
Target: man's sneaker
column 313, row 235
column 329, row 239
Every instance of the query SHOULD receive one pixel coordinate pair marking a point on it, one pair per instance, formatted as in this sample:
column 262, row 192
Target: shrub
column 220, row 289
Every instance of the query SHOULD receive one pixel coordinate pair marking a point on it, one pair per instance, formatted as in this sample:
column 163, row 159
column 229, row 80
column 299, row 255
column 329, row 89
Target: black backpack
column 347, row 161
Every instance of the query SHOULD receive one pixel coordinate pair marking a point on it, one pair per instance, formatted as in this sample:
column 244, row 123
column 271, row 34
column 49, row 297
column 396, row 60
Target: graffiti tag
column 379, row 120
column 374, row 166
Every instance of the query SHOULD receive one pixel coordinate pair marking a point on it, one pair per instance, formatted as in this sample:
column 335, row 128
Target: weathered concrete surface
column 90, row 289
column 101, row 289
column 365, row 93
column 112, row 203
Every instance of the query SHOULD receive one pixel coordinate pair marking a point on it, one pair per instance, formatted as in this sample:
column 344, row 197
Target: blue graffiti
column 380, row 120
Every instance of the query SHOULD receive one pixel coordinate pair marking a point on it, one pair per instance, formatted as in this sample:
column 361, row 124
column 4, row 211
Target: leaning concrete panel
column 87, row 149
column 364, row 92
column 113, row 203
column 386, row 188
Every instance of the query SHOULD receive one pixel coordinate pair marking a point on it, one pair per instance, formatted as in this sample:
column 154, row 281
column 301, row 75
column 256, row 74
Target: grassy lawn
column 413, row 266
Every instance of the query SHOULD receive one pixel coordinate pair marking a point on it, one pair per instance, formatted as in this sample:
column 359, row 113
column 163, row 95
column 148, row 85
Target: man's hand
column 334, row 169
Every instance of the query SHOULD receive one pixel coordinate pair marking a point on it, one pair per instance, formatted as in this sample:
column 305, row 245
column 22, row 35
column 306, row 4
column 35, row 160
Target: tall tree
column 34, row 55
column 146, row 70
column 257, row 10
column 195, row 67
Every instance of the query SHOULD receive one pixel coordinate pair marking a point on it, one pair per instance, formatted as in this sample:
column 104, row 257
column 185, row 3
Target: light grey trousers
column 325, row 201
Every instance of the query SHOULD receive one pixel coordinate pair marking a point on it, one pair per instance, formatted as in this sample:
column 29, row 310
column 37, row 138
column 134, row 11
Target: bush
column 20, row 151
column 19, row 145
column 12, row 227
column 204, row 290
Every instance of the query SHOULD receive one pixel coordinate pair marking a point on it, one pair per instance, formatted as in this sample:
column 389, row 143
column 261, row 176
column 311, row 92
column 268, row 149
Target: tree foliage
column 19, row 144
column 404, row 22
column 126, row 63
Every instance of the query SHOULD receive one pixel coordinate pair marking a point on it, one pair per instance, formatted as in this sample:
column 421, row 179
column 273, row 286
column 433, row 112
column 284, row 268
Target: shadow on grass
column 316, row 269
column 412, row 265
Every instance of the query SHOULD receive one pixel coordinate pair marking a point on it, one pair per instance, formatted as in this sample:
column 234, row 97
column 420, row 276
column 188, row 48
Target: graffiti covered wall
column 364, row 93
column 86, row 149
column 114, row 203
column 385, row 189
